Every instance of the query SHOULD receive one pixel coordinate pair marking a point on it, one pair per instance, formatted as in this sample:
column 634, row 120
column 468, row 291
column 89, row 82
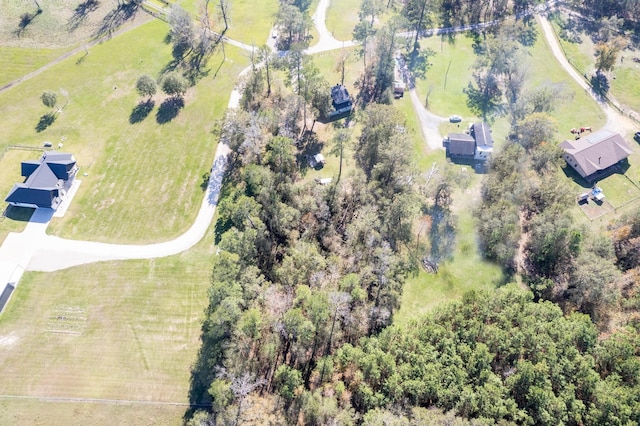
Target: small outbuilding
column 592, row 156
column 317, row 161
column 47, row 181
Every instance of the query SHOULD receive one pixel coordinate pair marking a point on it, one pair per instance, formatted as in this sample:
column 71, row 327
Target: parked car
column 636, row 136
column 455, row 119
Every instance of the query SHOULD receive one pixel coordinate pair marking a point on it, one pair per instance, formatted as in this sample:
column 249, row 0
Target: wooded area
column 307, row 277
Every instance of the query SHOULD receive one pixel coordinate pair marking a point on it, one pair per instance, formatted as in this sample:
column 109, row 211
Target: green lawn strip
column 578, row 53
column 143, row 179
column 114, row 330
column 466, row 270
column 625, row 85
column 38, row 412
column 17, row 62
column 342, row 17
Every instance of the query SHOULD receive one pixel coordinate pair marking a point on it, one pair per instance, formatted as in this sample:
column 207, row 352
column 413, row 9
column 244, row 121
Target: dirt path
column 615, row 121
column 326, row 41
column 429, row 122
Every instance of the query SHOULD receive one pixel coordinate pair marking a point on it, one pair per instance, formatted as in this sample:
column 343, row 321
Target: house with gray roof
column 476, row 144
column 341, row 102
column 592, row 156
column 47, row 181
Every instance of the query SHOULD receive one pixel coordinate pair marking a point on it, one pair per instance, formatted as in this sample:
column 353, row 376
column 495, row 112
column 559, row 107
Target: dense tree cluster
column 307, row 277
column 302, row 268
column 497, row 357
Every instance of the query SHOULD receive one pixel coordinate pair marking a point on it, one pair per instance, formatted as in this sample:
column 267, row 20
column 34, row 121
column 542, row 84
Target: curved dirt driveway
column 615, row 121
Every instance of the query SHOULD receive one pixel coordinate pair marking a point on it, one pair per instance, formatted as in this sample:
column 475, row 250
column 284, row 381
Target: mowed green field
column 451, row 71
column 18, row 62
column 17, row 411
column 249, row 21
column 143, row 178
column 342, row 17
column 116, row 331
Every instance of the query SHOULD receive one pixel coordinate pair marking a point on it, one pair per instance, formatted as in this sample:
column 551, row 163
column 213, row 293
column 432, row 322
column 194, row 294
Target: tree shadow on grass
column 141, row 111
column 45, row 121
column 600, row 84
column 116, row 18
column 80, row 13
column 169, row 109
column 25, row 20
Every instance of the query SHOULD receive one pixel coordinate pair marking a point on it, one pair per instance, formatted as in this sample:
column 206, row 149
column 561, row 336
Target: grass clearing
column 448, row 75
column 249, row 21
column 451, row 70
column 619, row 190
column 465, row 271
column 124, row 199
column 38, row 412
column 118, row 330
column 342, row 17
column 17, row 62
column 61, row 23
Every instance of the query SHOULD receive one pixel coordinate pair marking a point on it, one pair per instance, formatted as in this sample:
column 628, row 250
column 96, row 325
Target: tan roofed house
column 595, row 153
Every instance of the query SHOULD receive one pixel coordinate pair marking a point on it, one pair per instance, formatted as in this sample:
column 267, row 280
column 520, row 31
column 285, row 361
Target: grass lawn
column 249, row 21
column 118, row 330
column 122, row 198
column 61, row 23
column 448, row 75
column 38, row 412
column 451, row 71
column 624, row 80
column 465, row 271
column 619, row 190
column 342, row 17
column 16, row 61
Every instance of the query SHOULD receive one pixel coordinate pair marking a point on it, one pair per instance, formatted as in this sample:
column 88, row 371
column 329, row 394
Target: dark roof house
column 341, row 102
column 592, row 155
column 47, row 181
column 477, row 144
column 461, row 144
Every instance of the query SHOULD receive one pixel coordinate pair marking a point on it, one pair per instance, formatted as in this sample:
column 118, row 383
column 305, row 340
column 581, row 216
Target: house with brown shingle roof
column 592, row 155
